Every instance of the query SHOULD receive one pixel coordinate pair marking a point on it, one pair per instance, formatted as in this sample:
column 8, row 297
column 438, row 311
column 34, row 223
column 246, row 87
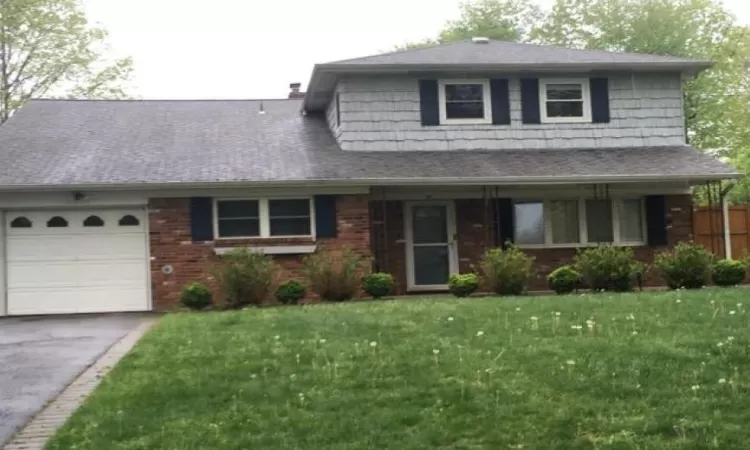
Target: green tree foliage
column 48, row 47
column 716, row 102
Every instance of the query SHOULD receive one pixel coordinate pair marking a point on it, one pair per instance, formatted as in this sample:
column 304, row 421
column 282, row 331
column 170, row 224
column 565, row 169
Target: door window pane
column 431, row 265
column 564, row 218
column 631, row 221
column 529, row 223
column 599, row 221
column 429, row 224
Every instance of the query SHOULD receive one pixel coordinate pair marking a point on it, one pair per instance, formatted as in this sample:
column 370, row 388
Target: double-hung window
column 565, row 100
column 465, row 101
column 243, row 218
column 577, row 222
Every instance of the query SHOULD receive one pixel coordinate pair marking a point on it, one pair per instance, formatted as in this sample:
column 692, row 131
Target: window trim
column 264, row 218
column 582, row 225
column 585, row 97
column 486, row 100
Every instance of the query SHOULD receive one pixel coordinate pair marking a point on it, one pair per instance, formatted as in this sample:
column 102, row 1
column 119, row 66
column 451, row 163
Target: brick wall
column 171, row 244
column 474, row 237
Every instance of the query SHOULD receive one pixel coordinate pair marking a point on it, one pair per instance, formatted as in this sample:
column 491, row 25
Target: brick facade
column 171, row 245
column 474, row 237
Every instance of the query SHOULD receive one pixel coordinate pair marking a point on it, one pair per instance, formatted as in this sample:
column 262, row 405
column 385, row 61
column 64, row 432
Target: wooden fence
column 708, row 229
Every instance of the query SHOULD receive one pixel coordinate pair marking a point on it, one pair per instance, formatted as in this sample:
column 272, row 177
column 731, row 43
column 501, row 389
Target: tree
column 47, row 46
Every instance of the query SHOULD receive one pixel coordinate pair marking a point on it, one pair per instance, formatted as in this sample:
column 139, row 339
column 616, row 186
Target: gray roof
column 493, row 56
column 65, row 143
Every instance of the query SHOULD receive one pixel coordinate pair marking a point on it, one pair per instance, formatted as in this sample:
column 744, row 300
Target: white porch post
column 3, row 270
column 727, row 230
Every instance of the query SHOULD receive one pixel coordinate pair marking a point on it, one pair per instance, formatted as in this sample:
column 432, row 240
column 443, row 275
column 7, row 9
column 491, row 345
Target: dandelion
column 695, row 387
column 252, row 375
column 590, row 323
column 557, row 313
column 570, row 362
column 631, row 316
column 678, row 301
column 722, row 380
column 730, row 338
column 450, row 319
column 435, row 351
column 720, row 344
column 712, row 302
column 534, row 318
column 322, row 341
column 576, row 327
column 373, row 344
column 518, row 309
column 732, row 312
column 739, row 305
column 634, row 333
column 480, row 333
column 277, row 337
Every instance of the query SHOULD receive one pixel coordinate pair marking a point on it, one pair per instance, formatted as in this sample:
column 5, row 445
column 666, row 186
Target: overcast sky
column 255, row 48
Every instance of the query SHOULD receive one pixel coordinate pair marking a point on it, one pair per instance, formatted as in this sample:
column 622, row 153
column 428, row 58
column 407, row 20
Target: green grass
column 653, row 371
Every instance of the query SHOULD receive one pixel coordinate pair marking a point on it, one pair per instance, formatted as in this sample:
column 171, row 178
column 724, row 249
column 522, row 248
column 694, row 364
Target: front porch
column 422, row 235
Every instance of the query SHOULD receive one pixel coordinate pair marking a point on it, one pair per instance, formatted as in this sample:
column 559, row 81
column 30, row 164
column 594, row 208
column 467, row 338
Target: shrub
column 290, row 292
column 245, row 277
column 686, row 266
column 463, row 285
column 728, row 272
column 506, row 272
column 378, row 284
column 608, row 268
column 564, row 279
column 334, row 276
column 196, row 296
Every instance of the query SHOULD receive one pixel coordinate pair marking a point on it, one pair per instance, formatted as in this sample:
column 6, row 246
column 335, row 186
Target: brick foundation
column 474, row 237
column 171, row 244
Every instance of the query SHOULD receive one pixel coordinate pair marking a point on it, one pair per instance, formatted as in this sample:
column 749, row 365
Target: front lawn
column 633, row 371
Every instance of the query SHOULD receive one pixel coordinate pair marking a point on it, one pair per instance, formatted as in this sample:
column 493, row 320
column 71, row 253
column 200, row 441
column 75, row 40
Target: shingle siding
column 331, row 115
column 383, row 114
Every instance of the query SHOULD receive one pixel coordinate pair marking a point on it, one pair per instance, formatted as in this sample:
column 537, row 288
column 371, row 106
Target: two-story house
column 419, row 160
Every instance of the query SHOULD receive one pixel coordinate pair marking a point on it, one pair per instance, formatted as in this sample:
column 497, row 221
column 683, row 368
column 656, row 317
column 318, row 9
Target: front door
column 431, row 255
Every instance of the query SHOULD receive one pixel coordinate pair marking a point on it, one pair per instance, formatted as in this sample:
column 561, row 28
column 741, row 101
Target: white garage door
column 69, row 261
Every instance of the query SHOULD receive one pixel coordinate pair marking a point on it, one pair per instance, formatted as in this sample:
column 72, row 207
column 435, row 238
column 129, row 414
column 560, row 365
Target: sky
column 255, row 48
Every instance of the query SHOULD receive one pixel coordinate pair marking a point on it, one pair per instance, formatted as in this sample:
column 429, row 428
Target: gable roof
column 497, row 56
column 53, row 144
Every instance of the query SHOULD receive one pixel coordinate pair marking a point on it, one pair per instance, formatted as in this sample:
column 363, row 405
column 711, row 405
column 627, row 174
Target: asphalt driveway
column 41, row 356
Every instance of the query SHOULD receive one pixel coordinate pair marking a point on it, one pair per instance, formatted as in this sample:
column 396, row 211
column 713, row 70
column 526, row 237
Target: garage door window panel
column 93, row 221
column 129, row 221
column 21, row 222
column 57, row 222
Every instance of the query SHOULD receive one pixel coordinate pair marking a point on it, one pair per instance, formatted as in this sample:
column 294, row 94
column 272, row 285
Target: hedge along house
column 418, row 160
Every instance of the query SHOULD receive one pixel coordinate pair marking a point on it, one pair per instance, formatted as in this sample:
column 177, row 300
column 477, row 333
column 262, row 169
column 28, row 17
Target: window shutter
column 599, row 100
column 201, row 219
column 500, row 101
column 530, row 100
column 325, row 216
column 503, row 223
column 656, row 220
column 428, row 102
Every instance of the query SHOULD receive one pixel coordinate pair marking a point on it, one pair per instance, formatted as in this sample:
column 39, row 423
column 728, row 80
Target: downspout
column 725, row 218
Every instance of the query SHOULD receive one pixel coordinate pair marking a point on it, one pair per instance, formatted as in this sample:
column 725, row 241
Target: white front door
column 431, row 255
column 77, row 261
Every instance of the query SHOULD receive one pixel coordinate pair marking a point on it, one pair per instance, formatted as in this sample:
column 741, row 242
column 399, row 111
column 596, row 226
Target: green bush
column 290, row 292
column 728, row 272
column 564, row 279
column 463, row 285
column 245, row 277
column 506, row 272
column 334, row 276
column 378, row 285
column 608, row 268
column 686, row 266
column 196, row 296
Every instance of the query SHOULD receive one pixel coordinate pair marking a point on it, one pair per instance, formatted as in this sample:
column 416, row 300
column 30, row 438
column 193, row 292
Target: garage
column 76, row 261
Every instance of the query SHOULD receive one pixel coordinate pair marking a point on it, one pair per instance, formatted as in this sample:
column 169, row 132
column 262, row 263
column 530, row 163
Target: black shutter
column 530, row 100
column 428, row 102
column 599, row 100
column 325, row 216
column 503, row 222
column 201, row 219
column 656, row 220
column 500, row 101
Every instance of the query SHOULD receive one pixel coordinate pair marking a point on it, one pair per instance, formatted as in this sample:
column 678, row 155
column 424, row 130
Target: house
column 420, row 160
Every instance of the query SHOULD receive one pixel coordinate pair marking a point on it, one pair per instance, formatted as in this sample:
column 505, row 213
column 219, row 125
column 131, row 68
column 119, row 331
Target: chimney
column 295, row 92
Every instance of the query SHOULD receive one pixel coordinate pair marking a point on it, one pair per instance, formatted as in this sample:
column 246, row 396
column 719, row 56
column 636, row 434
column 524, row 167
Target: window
column 577, row 222
column 464, row 101
column 128, row 221
column 289, row 217
column 20, row 222
column 565, row 100
column 93, row 221
column 57, row 222
column 264, row 218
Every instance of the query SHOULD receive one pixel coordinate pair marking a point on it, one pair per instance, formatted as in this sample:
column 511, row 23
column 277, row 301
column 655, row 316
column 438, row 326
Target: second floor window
column 465, row 101
column 565, row 100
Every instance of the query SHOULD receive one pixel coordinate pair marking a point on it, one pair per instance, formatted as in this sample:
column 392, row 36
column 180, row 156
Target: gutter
column 364, row 182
